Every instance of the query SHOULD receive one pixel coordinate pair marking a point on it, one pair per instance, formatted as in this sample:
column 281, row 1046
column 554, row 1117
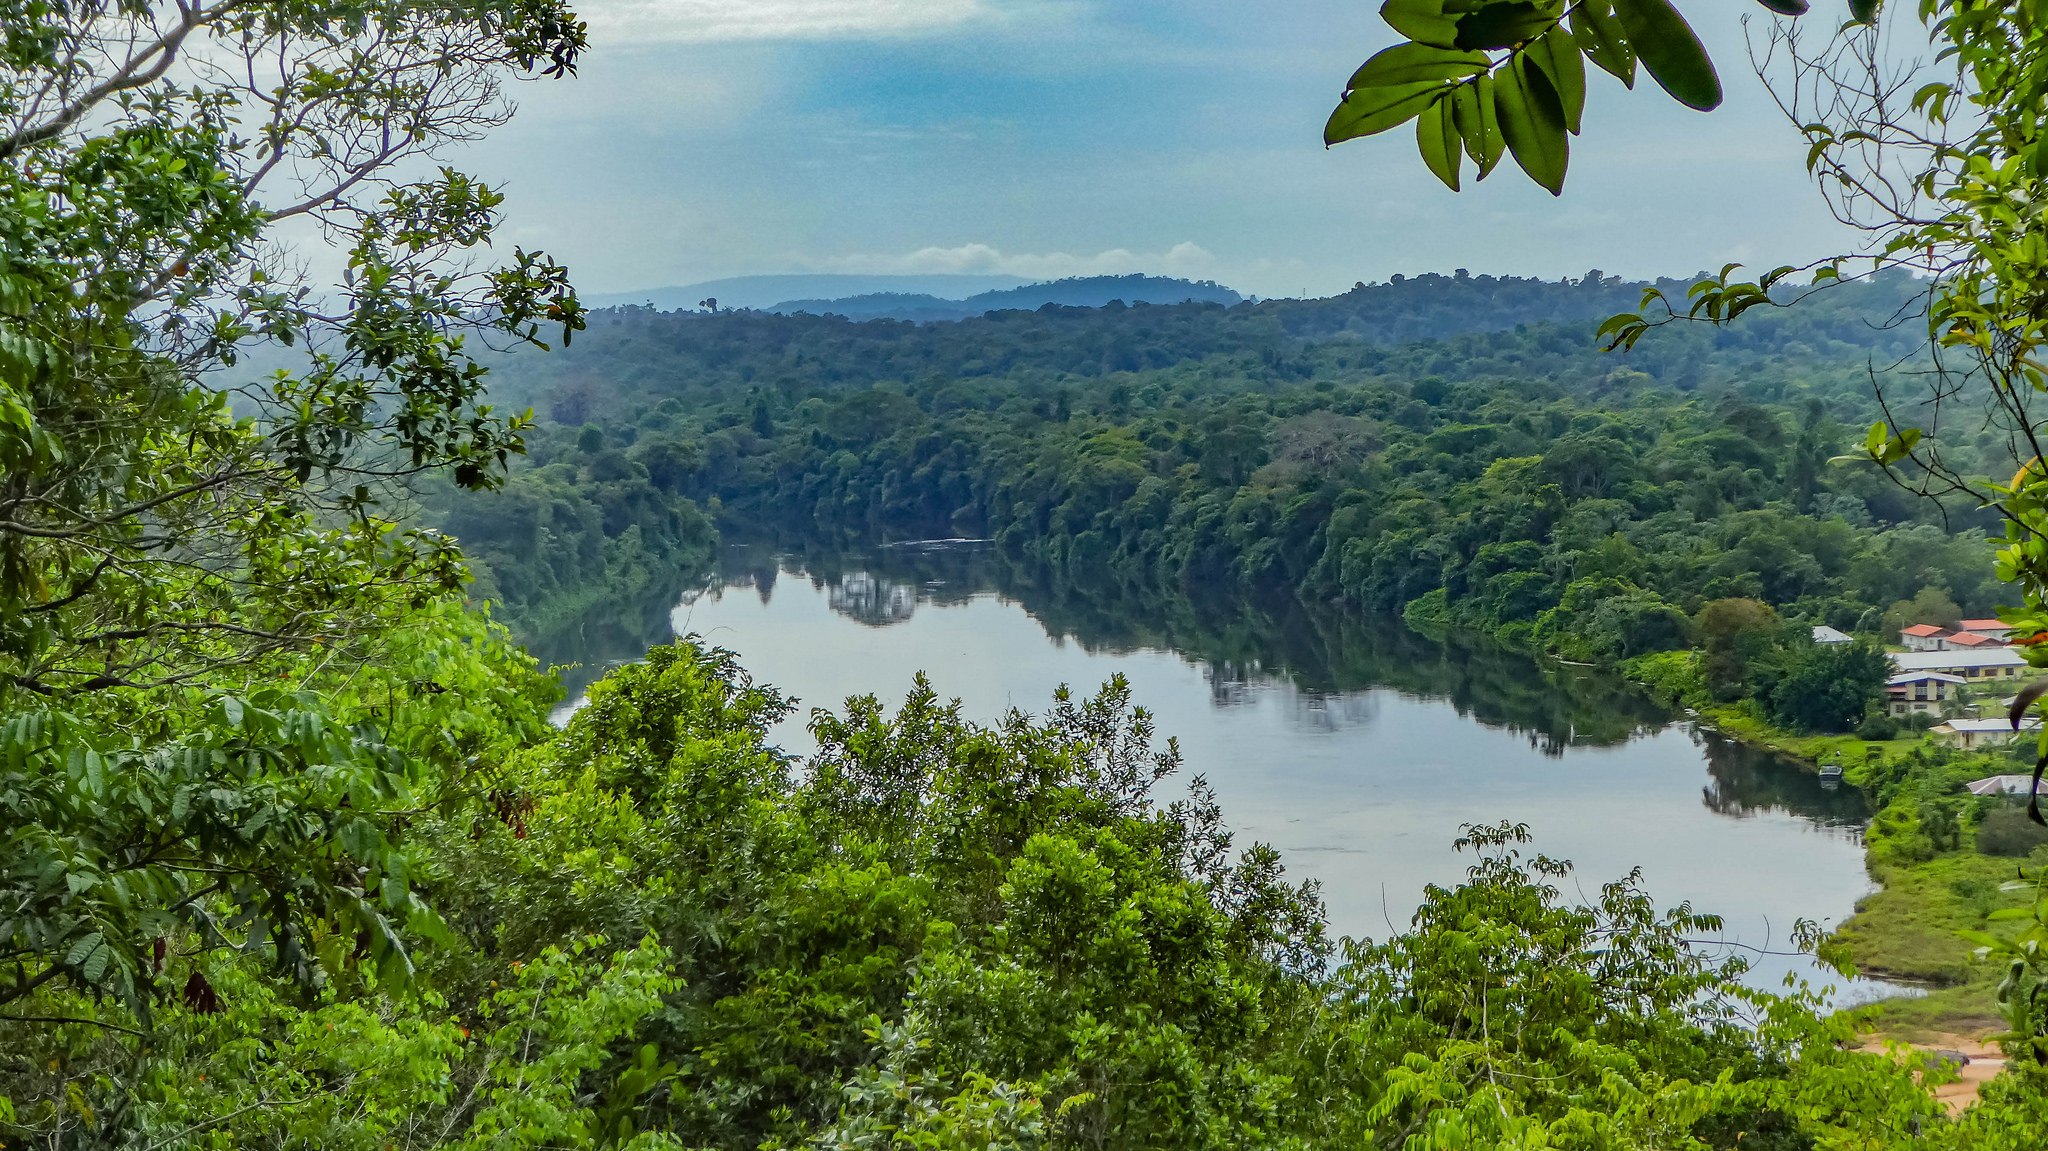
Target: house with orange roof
column 1992, row 629
column 1923, row 637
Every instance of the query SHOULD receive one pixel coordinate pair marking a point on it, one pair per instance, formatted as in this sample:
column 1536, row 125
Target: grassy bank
column 1911, row 930
column 1943, row 859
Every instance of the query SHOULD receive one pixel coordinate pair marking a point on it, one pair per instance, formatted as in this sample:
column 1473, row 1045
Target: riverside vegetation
column 289, row 856
column 1515, row 482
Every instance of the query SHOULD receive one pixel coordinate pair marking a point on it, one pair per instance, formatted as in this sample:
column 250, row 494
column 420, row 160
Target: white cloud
column 1183, row 259
column 628, row 22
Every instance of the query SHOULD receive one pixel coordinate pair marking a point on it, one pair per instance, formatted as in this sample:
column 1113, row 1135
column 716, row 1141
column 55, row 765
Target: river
column 1355, row 746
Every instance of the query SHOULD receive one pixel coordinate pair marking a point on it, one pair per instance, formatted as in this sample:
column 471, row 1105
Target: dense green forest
column 1385, row 449
column 291, row 857
column 557, row 545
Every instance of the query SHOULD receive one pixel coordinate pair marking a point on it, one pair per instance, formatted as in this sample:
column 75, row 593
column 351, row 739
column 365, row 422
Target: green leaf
column 1864, row 11
column 1601, row 37
column 1503, row 25
column 1367, row 111
column 1670, row 52
column 1473, row 114
column 1983, row 940
column 1416, row 64
column 89, row 957
column 1532, row 122
column 1422, row 21
column 1557, row 54
column 1786, row 7
column 1436, row 135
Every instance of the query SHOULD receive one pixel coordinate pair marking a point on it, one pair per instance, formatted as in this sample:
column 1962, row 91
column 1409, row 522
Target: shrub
column 1672, row 677
column 1429, row 613
column 2007, row 831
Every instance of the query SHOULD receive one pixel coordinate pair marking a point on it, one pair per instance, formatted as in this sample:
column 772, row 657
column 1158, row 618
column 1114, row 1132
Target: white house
column 1822, row 633
column 1922, row 637
column 1971, row 664
column 1973, row 733
column 2003, row 785
column 1913, row 691
column 1994, row 630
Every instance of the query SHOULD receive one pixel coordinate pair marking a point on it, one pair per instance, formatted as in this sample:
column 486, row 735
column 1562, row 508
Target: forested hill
column 1504, row 474
column 637, row 354
column 1076, row 292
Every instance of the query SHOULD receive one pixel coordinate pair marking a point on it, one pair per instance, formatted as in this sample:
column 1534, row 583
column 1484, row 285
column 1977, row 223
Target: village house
column 1969, row 734
column 1920, row 691
column 1970, row 641
column 1922, row 637
column 2020, row 785
column 1991, row 629
column 1822, row 633
column 1995, row 662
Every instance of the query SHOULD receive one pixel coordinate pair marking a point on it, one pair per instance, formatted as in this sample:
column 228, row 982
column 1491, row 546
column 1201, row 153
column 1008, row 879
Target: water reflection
column 614, row 634
column 1353, row 745
column 1744, row 782
column 873, row 600
column 1327, row 658
column 1327, row 671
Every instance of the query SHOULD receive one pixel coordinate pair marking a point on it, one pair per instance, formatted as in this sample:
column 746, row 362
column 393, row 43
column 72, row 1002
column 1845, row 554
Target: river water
column 1355, row 746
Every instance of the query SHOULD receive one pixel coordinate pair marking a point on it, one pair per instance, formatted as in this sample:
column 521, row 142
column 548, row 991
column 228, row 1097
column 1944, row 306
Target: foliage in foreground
column 216, row 636
column 657, row 932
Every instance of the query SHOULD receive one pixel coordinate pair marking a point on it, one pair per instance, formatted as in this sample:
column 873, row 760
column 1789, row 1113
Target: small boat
column 1831, row 773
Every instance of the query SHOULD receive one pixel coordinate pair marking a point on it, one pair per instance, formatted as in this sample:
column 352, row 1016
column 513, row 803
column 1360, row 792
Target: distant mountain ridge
column 914, row 306
column 1075, row 292
column 763, row 291
column 921, row 299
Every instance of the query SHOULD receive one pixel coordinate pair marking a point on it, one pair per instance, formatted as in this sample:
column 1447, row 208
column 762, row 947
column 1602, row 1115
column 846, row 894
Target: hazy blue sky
column 710, row 138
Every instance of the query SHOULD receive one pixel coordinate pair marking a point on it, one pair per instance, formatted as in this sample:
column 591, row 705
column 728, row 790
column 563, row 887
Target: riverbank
column 1944, row 861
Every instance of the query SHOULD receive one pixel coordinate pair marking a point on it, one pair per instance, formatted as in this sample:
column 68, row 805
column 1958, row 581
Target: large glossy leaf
column 1366, row 111
column 1786, row 7
column 1415, row 64
column 1863, row 11
column 1473, row 115
column 1601, row 38
column 1436, row 136
column 1422, row 21
column 1504, row 24
column 1670, row 52
column 1532, row 122
column 1557, row 54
